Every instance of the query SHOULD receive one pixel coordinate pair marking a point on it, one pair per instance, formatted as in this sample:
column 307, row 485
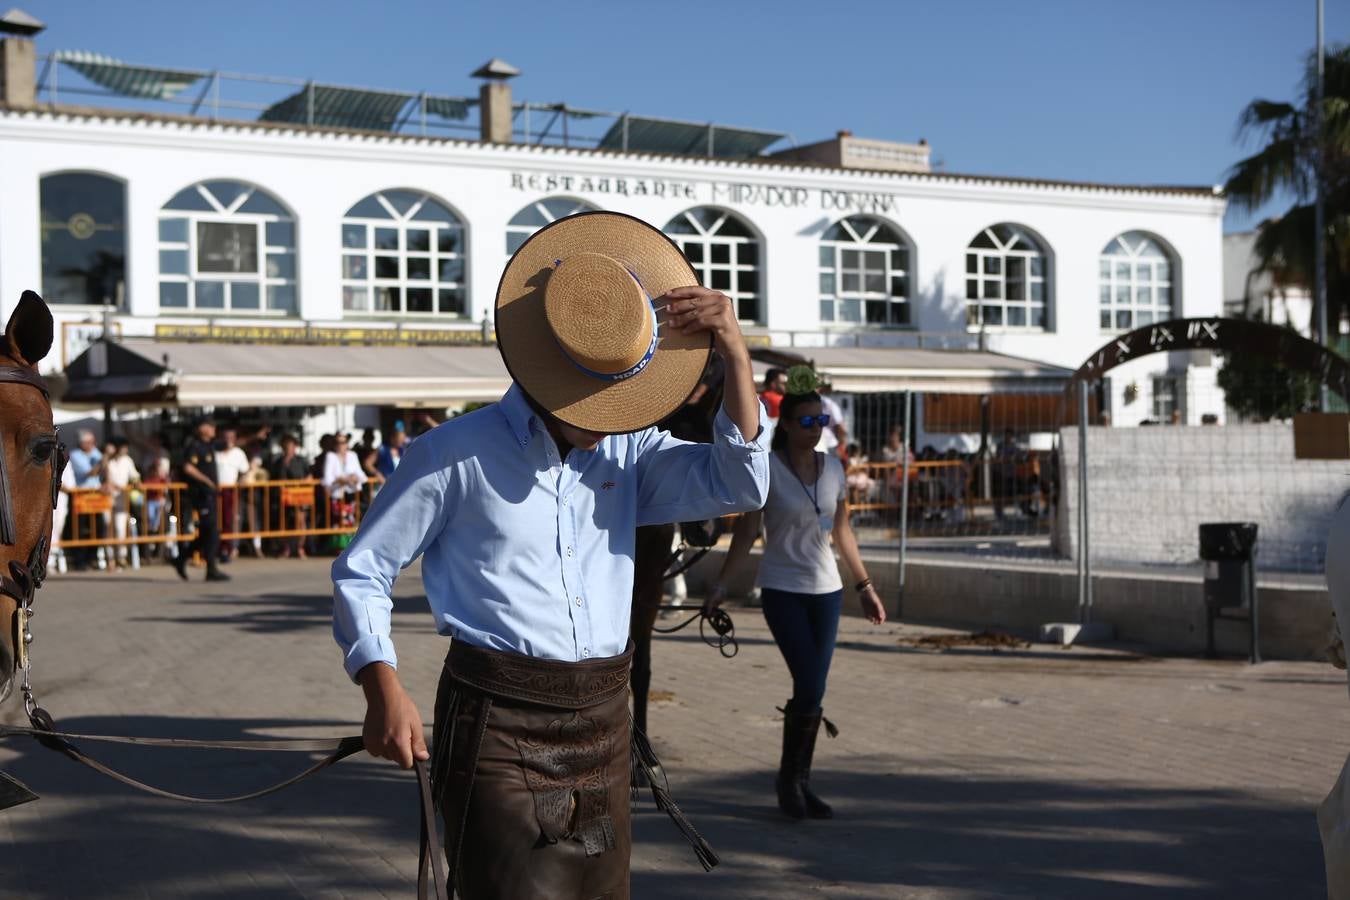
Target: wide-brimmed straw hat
column 579, row 328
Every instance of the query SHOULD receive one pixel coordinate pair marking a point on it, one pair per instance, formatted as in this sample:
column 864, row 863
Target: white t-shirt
column 120, row 472
column 335, row 467
column 828, row 439
column 63, row 498
column 230, row 464
column 798, row 555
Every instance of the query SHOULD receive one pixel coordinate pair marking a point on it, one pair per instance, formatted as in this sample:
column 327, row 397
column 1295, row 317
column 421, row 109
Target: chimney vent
column 494, row 100
column 18, row 59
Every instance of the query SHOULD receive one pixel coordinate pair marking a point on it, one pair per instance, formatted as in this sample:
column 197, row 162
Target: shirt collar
column 518, row 413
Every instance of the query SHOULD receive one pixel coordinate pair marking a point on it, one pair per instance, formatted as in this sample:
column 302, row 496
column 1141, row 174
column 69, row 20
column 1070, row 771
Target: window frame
column 863, row 243
column 49, row 292
column 402, row 224
column 547, row 208
column 1168, row 388
column 229, row 214
column 984, row 275
column 1135, row 257
column 705, row 238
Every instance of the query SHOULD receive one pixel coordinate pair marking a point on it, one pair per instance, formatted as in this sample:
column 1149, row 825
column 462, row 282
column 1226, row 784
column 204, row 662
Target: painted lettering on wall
column 592, row 184
column 727, row 193
column 858, row 201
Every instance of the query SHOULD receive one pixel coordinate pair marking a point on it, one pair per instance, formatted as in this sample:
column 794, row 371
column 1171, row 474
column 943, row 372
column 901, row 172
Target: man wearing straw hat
column 524, row 513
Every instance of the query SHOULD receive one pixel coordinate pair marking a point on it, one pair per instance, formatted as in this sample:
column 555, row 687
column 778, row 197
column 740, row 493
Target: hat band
column 636, row 367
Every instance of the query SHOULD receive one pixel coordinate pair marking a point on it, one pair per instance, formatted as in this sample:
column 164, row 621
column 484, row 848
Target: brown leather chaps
column 531, row 767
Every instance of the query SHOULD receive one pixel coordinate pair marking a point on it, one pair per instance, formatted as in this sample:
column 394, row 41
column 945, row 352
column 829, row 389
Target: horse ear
column 28, row 335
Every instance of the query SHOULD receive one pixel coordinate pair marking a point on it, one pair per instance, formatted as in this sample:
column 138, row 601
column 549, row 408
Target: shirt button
column 585, row 651
column 569, row 552
column 578, row 601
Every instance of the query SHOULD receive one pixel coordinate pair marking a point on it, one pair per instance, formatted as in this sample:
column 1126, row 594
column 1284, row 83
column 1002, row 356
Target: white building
column 1250, row 294
column 260, row 231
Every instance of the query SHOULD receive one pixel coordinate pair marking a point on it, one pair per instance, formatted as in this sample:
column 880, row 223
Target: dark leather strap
column 44, row 731
column 22, row 375
column 429, row 859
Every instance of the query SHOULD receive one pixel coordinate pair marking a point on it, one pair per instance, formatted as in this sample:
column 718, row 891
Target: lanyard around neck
column 814, row 493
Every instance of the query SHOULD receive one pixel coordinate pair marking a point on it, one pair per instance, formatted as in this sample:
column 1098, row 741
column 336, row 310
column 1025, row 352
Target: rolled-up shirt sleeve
column 406, row 517
column 682, row 481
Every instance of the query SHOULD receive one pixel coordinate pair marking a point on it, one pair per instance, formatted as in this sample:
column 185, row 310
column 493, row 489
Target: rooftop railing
column 80, row 78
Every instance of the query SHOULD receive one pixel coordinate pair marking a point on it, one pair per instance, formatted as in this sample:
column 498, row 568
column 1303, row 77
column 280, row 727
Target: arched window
column 403, row 252
column 864, row 273
column 226, row 246
column 1006, row 279
column 84, row 238
column 1136, row 282
column 725, row 253
column 537, row 215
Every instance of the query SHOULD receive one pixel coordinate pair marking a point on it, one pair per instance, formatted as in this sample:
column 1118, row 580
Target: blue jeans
column 804, row 627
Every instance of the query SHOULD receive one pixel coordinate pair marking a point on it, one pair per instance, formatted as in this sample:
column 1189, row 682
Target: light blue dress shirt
column 83, row 464
column 523, row 551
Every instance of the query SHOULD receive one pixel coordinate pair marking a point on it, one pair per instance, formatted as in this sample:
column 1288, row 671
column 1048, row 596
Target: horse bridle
column 22, row 581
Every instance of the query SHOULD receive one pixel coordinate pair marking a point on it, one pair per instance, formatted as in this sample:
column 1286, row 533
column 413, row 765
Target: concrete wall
column 1150, row 488
column 1165, row 613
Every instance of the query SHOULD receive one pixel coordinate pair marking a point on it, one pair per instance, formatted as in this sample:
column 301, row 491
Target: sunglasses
column 807, row 421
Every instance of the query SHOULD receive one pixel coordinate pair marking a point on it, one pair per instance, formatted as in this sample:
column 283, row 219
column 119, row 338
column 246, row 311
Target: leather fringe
column 644, row 758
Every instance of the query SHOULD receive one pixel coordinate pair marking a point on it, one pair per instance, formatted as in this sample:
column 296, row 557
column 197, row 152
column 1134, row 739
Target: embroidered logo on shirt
column 607, row 485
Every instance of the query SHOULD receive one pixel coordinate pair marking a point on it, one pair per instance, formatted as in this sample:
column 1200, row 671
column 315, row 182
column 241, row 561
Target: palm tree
column 1285, row 165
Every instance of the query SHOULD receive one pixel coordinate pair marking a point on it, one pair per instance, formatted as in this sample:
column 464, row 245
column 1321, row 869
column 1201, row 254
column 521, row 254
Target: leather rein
column 22, row 583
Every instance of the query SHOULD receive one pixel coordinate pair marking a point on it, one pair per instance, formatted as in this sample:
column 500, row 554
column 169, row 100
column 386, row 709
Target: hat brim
column 538, row 364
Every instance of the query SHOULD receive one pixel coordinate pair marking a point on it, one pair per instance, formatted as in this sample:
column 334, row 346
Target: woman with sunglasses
column 798, row 578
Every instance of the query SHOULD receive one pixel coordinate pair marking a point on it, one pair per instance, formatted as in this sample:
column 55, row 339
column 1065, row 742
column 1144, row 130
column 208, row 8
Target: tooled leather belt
column 547, row 682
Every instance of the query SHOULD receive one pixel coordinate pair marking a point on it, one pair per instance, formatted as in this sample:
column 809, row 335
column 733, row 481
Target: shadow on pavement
column 124, row 843
column 269, row 612
column 895, row 833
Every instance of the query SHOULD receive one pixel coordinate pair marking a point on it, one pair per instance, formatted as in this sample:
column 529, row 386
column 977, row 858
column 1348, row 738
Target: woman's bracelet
column 862, row 585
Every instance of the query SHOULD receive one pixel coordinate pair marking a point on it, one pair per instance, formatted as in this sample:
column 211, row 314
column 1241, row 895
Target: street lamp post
column 1319, row 211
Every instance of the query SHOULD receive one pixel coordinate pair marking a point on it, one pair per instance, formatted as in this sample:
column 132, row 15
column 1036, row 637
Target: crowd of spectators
column 263, row 484
column 942, row 484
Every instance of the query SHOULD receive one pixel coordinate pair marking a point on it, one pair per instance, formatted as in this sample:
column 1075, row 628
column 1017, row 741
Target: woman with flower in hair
column 799, row 582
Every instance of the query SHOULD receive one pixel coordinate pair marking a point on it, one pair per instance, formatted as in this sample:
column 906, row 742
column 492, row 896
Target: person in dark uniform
column 199, row 470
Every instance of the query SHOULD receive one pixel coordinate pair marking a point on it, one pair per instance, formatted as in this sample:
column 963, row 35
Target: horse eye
column 43, row 451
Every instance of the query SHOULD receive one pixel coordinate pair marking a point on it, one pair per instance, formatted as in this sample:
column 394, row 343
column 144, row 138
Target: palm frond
column 1263, row 116
column 1280, row 165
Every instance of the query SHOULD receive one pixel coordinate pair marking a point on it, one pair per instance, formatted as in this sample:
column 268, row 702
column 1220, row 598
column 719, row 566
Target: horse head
column 31, row 459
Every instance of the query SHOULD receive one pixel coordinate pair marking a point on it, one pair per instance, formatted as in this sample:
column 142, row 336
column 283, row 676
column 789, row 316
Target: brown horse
column 31, row 458
column 652, row 557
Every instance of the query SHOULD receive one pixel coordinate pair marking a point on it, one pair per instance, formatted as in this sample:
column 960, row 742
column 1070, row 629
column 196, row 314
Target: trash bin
column 1228, row 550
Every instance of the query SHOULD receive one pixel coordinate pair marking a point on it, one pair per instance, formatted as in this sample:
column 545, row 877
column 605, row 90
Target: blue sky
column 1137, row 92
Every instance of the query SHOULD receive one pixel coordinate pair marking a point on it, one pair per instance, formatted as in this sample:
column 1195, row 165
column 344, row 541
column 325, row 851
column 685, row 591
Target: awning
column 871, row 370
column 195, row 374
column 339, row 107
column 142, row 370
column 129, row 81
column 643, row 134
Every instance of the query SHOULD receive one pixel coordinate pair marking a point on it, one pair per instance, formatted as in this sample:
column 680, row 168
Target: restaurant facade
column 152, row 229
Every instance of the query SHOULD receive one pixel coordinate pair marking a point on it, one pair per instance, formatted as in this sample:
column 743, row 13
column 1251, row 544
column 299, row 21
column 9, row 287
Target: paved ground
column 966, row 773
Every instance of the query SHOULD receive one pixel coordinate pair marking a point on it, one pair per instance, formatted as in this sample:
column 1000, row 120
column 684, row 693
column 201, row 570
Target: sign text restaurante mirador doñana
column 721, row 192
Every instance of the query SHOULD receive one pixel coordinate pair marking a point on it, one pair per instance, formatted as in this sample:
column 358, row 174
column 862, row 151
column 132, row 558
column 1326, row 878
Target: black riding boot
column 791, row 800
column 816, row 808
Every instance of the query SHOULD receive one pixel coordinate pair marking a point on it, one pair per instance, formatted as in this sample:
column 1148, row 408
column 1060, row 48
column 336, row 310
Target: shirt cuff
column 726, row 432
column 369, row 649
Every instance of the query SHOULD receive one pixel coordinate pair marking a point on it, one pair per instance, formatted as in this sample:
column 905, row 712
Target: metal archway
column 1272, row 342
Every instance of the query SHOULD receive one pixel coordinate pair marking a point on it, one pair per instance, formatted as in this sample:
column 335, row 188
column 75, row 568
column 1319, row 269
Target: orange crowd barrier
column 160, row 513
